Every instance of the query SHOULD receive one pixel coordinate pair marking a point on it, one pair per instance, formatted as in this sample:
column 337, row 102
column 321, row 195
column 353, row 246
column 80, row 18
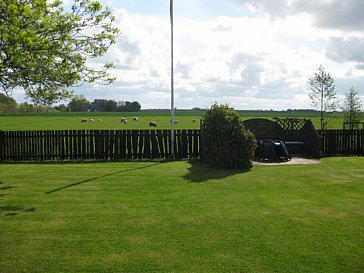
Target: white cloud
column 248, row 62
column 257, row 56
column 337, row 14
column 346, row 50
column 333, row 14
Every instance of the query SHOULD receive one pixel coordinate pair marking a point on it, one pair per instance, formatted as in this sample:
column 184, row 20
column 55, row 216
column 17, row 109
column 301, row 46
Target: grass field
column 182, row 217
column 111, row 121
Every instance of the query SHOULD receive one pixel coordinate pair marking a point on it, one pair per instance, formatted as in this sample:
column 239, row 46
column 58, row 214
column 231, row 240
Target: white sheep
column 84, row 120
column 91, row 120
column 99, row 120
column 135, row 118
column 152, row 124
column 124, row 120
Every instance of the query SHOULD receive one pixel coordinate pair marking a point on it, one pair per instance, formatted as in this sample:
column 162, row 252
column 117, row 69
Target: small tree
column 352, row 106
column 322, row 92
column 225, row 143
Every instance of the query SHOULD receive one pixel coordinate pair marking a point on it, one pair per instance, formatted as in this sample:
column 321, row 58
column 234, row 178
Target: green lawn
column 111, row 121
column 182, row 217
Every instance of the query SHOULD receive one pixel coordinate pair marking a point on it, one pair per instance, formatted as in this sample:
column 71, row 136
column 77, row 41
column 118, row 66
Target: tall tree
column 352, row 106
column 79, row 104
column 322, row 92
column 44, row 49
column 127, row 106
column 135, row 106
column 7, row 104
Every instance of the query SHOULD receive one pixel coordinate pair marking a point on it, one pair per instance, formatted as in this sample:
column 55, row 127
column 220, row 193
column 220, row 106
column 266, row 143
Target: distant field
column 111, row 121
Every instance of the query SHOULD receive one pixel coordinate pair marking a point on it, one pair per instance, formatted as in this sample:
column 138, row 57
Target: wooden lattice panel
column 291, row 124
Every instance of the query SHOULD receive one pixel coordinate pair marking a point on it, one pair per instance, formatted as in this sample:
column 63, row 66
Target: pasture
column 182, row 217
column 111, row 121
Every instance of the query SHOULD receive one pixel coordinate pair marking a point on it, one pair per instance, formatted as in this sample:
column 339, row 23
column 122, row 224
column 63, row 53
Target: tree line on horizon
column 81, row 104
column 77, row 104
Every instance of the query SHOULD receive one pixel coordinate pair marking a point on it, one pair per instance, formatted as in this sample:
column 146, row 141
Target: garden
column 106, row 192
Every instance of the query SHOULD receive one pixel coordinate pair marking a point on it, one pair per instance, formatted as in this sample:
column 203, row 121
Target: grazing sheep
column 152, row 124
column 135, row 118
column 84, row 120
column 99, row 120
column 175, row 121
column 124, row 120
column 91, row 120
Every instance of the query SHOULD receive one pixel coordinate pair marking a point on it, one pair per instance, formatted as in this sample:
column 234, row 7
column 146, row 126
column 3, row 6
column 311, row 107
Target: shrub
column 225, row 143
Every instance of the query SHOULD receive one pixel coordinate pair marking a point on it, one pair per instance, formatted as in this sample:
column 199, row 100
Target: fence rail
column 342, row 142
column 136, row 144
column 96, row 144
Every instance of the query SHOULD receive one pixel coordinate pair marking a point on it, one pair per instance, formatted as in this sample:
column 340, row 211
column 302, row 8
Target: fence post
column 146, row 153
column 155, row 149
column 2, row 145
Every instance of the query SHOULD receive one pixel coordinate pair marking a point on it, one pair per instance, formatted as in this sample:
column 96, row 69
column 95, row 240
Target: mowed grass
column 111, row 121
column 182, row 217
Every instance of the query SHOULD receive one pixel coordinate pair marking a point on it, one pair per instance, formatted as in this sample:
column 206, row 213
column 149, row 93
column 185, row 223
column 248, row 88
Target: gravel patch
column 293, row 161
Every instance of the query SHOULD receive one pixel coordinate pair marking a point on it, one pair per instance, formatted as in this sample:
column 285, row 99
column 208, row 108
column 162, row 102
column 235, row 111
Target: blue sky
column 251, row 54
column 199, row 10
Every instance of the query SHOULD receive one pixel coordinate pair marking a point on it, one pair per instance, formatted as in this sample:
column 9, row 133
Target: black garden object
column 272, row 150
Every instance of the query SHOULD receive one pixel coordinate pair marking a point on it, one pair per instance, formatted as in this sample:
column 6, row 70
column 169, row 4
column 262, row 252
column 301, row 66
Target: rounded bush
column 225, row 143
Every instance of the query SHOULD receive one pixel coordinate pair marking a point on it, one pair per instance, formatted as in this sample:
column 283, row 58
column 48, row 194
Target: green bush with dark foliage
column 225, row 143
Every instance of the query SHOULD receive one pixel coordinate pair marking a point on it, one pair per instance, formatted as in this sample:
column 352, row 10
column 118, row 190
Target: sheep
column 83, row 120
column 124, row 120
column 99, row 120
column 194, row 121
column 175, row 121
column 152, row 124
column 91, row 120
column 135, row 118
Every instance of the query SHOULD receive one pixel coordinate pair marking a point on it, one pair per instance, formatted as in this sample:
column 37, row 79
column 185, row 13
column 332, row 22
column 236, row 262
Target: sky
column 250, row 54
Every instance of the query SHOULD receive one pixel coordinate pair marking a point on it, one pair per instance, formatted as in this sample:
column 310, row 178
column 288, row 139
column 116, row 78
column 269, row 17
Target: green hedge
column 225, row 143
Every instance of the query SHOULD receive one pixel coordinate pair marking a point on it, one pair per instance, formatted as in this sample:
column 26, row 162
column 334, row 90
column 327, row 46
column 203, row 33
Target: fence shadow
column 198, row 173
column 99, row 177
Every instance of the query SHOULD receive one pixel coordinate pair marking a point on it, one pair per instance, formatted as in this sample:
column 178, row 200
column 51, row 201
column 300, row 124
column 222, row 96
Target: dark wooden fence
column 96, row 144
column 342, row 142
column 136, row 144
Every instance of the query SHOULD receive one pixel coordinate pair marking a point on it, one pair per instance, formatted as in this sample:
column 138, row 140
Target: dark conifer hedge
column 225, row 143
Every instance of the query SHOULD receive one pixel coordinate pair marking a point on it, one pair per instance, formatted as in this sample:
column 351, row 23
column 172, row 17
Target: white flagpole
column 172, row 84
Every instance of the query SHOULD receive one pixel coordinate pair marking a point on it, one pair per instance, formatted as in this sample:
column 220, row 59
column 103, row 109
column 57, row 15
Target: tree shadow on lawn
column 12, row 210
column 15, row 210
column 4, row 188
column 199, row 173
column 99, row 177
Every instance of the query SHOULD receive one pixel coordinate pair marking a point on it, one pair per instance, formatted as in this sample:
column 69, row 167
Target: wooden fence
column 96, row 144
column 342, row 142
column 136, row 144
